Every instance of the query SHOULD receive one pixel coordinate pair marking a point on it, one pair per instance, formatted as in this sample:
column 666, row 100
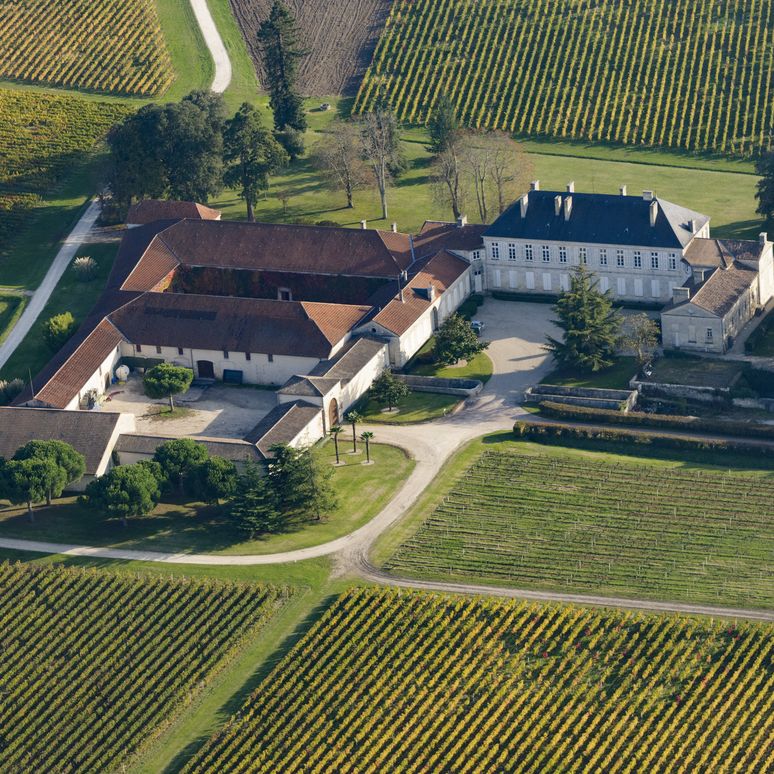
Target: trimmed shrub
column 85, row 268
column 9, row 390
column 666, row 421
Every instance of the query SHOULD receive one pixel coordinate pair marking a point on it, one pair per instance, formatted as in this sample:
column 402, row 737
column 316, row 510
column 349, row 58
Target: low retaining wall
column 698, row 393
column 590, row 397
column 464, row 388
column 758, row 404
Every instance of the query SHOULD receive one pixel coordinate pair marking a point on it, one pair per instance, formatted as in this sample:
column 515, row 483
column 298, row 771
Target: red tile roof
column 150, row 210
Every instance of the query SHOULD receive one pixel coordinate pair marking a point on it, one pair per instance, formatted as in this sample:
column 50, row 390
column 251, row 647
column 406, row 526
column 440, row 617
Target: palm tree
column 367, row 436
column 353, row 418
column 335, row 430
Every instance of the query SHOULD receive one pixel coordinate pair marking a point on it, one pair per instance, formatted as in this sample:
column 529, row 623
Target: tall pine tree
column 590, row 324
column 280, row 43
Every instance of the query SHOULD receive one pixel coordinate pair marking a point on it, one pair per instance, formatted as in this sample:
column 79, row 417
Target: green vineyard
column 413, row 682
column 690, row 74
column 99, row 45
column 42, row 137
column 93, row 664
column 570, row 523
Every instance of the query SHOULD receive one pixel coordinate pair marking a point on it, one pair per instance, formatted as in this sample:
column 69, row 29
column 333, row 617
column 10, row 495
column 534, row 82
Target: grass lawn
column 614, row 378
column 479, row 367
column 70, row 295
column 524, row 515
column 701, row 371
column 11, row 308
column 417, row 407
column 363, row 491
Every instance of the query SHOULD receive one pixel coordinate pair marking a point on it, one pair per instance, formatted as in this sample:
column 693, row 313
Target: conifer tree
column 590, row 324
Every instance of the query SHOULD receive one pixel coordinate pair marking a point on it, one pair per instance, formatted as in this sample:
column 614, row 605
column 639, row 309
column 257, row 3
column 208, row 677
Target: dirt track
column 340, row 36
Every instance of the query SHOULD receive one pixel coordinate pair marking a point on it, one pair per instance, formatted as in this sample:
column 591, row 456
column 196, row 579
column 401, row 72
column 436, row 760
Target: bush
column 9, row 390
column 470, row 306
column 759, row 334
column 589, row 437
column 58, row 329
column 85, row 268
column 759, row 381
column 666, row 421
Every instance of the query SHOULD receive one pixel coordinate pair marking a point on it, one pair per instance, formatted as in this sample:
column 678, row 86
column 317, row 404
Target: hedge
column 562, row 435
column 670, row 421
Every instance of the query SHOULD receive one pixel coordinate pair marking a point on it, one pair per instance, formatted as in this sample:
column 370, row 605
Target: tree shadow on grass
column 238, row 699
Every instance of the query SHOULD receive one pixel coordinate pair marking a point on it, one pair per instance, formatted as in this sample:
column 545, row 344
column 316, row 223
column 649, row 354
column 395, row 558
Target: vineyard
column 691, row 74
column 409, row 682
column 562, row 522
column 99, row 45
column 42, row 136
column 93, row 664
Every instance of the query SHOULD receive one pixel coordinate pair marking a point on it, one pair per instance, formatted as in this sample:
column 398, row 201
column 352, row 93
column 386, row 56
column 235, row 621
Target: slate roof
column 722, row 252
column 280, row 247
column 236, row 324
column 440, row 235
column 234, row 450
column 349, row 363
column 89, row 432
column 308, row 386
column 281, row 425
column 440, row 271
column 150, row 210
column 722, row 290
column 598, row 219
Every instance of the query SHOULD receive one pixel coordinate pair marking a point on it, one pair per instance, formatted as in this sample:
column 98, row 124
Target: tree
column 353, row 418
column 443, row 125
column 58, row 329
column 367, row 435
column 212, row 480
column 27, row 481
column 337, row 156
column 380, row 145
column 448, row 180
column 301, row 483
column 388, row 389
column 336, row 430
column 640, row 335
column 251, row 155
column 165, row 381
column 456, row 340
column 69, row 464
column 280, row 43
column 764, row 166
column 291, row 140
column 254, row 508
column 590, row 325
column 178, row 457
column 126, row 490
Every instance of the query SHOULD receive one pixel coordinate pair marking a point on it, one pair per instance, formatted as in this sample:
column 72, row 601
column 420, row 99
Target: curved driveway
column 214, row 43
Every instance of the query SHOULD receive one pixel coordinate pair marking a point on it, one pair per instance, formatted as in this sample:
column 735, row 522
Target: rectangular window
column 179, row 350
column 546, row 281
column 497, row 278
column 655, row 289
column 691, row 334
column 284, row 294
column 158, row 349
column 529, row 278
column 637, row 259
column 709, row 335
column 511, row 251
column 583, row 256
column 495, row 251
column 654, row 260
column 638, row 289
column 621, row 286
column 619, row 258
column 271, row 358
column 604, row 284
column 476, row 255
column 546, row 253
column 528, row 252
column 225, row 354
column 672, row 261
column 562, row 255
column 138, row 348
column 564, row 282
column 512, row 279
column 603, row 257
column 248, row 356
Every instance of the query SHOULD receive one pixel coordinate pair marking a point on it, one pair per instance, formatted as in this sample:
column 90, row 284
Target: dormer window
column 284, row 294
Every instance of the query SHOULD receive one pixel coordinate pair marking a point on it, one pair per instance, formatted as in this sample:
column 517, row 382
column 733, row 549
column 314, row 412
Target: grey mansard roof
column 598, row 218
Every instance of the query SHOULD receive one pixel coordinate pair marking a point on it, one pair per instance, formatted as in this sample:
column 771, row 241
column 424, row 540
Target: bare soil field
column 340, row 36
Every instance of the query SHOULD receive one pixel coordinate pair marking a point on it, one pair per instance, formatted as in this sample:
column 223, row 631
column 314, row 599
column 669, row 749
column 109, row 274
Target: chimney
column 680, row 294
column 622, row 190
column 648, row 196
column 411, row 245
column 394, row 228
column 364, row 224
column 567, row 207
column 694, row 225
column 571, row 186
column 524, row 202
column 462, row 221
column 534, row 185
column 763, row 237
column 431, row 293
column 557, row 205
column 400, row 287
column 653, row 213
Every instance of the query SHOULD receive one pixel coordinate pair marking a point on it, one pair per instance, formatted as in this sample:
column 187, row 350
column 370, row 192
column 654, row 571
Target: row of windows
column 180, row 351
column 622, row 286
column 603, row 256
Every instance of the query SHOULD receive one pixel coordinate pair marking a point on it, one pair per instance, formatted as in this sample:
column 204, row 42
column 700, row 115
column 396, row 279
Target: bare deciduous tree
column 338, row 158
column 448, row 180
column 380, row 144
